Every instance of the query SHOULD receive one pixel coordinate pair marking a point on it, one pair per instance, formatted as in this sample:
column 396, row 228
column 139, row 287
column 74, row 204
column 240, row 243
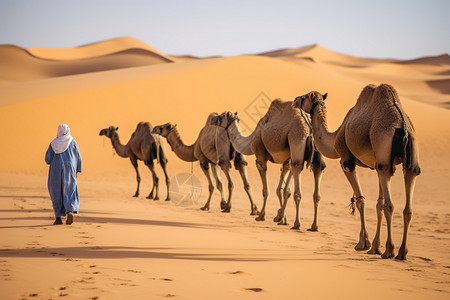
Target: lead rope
column 405, row 129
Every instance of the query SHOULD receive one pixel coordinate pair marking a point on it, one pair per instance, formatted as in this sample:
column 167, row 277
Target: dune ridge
column 20, row 64
column 96, row 49
column 318, row 53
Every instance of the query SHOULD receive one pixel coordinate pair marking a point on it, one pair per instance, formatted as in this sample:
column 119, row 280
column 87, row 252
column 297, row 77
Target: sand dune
column 317, row 53
column 97, row 49
column 122, row 247
column 443, row 59
column 19, row 64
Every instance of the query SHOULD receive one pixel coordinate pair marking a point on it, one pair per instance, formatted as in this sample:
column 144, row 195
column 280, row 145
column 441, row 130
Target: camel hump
column 279, row 106
column 144, row 126
column 211, row 115
column 388, row 92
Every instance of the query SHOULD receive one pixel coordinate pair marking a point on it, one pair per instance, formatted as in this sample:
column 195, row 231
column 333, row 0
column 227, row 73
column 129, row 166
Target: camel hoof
column 204, row 208
column 363, row 245
column 156, row 198
column 260, row 218
column 313, row 229
column 223, row 205
column 227, row 209
column 136, row 195
column 149, row 197
column 254, row 213
column 296, row 226
column 387, row 254
column 402, row 253
column 167, row 199
column 376, row 251
column 401, row 256
column 389, row 251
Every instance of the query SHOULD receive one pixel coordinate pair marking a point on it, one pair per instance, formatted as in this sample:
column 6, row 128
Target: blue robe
column 62, row 179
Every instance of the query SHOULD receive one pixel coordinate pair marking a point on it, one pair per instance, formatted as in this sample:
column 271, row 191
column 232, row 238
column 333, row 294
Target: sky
column 400, row 29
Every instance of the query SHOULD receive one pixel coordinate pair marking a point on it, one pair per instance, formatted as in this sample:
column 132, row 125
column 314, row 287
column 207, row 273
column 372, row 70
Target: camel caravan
column 376, row 133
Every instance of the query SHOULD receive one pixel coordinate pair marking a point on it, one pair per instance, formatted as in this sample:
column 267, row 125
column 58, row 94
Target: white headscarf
column 62, row 140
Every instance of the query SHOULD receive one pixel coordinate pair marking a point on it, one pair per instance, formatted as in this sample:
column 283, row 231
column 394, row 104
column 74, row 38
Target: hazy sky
column 377, row 28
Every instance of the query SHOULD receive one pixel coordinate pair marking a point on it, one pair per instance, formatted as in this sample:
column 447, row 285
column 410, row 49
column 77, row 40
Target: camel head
column 164, row 130
column 309, row 101
column 108, row 131
column 225, row 119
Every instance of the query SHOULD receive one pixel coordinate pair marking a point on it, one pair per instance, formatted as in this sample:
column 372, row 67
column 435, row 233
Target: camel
column 281, row 136
column 212, row 147
column 375, row 133
column 141, row 146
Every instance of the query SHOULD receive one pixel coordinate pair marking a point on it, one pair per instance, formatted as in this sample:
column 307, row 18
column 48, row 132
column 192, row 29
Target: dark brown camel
column 141, row 146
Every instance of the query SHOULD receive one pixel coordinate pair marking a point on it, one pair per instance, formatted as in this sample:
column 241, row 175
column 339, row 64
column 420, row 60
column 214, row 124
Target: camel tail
column 410, row 156
column 309, row 152
column 239, row 160
column 156, row 148
column 313, row 157
column 405, row 148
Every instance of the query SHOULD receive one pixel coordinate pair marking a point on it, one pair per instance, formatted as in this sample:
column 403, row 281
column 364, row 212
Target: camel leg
column 410, row 181
column 216, row 174
column 138, row 177
column 262, row 168
column 297, row 147
column 154, row 193
column 281, row 218
column 226, row 169
column 243, row 172
column 353, row 179
column 376, row 240
column 296, row 170
column 318, row 172
column 205, row 168
column 286, row 195
column 163, row 163
column 384, row 177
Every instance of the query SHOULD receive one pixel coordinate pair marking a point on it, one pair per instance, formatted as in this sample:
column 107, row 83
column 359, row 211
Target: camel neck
column 183, row 151
column 117, row 145
column 242, row 144
column 323, row 138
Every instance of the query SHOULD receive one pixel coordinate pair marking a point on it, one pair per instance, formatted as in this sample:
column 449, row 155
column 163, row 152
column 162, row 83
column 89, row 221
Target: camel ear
column 117, row 128
column 174, row 126
column 235, row 113
column 325, row 96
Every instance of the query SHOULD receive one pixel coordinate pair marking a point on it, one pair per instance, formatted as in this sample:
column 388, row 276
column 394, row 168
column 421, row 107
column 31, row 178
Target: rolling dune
column 123, row 247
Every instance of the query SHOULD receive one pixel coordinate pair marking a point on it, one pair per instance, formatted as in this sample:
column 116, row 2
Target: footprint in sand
column 5, row 270
column 133, row 271
column 123, row 282
column 70, row 259
column 238, row 272
column 255, row 290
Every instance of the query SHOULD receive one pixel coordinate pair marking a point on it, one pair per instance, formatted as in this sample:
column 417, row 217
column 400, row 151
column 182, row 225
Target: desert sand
column 121, row 247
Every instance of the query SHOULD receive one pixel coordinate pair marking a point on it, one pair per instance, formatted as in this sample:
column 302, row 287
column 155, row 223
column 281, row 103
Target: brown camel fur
column 375, row 133
column 141, row 146
column 212, row 147
column 282, row 135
